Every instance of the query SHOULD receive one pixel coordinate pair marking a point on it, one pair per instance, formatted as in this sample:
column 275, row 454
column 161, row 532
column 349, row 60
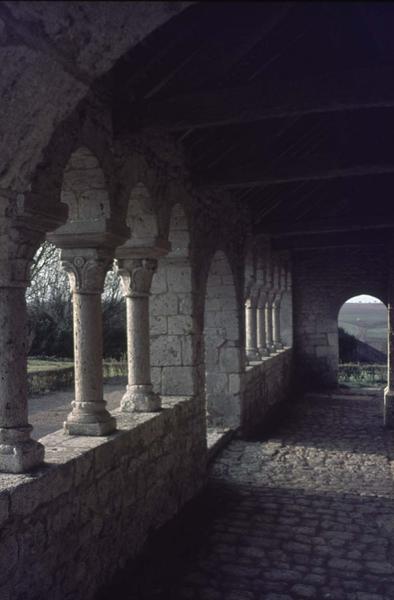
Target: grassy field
column 356, row 374
column 35, row 365
column 366, row 321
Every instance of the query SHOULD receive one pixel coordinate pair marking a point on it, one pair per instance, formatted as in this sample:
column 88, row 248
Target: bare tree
column 50, row 307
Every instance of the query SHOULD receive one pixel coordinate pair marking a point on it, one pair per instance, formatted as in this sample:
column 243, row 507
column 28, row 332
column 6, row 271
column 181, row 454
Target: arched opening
column 362, row 341
column 171, row 314
column 75, row 330
column 221, row 346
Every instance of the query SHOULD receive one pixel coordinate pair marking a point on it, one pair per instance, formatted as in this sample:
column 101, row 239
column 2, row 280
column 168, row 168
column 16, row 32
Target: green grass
column 362, row 374
column 35, row 365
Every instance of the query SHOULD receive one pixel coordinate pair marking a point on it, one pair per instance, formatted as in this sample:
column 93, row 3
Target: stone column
column 268, row 323
column 277, row 342
column 87, row 269
column 389, row 390
column 252, row 354
column 18, row 452
column 136, row 277
column 261, row 331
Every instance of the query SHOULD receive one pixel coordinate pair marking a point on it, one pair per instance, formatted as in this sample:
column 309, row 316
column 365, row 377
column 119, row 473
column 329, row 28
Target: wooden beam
column 329, row 225
column 255, row 176
column 333, row 240
column 335, row 92
column 216, row 58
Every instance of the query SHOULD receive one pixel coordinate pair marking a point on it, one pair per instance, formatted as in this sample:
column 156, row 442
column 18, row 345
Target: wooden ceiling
column 288, row 106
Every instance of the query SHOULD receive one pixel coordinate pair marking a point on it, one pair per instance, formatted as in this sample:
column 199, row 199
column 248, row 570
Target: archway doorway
column 362, row 342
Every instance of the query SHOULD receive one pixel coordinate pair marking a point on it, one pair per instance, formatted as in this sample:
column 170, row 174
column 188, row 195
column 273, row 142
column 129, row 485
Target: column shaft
column 136, row 276
column 89, row 415
column 18, row 453
column 276, row 325
column 268, row 324
column 261, row 333
column 251, row 332
column 389, row 390
column 138, row 343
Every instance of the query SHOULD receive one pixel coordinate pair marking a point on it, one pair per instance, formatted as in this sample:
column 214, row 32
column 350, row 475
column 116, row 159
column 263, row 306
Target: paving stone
column 305, row 513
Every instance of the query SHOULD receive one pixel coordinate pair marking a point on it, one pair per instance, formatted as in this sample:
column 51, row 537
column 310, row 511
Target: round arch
column 362, row 322
column 222, row 350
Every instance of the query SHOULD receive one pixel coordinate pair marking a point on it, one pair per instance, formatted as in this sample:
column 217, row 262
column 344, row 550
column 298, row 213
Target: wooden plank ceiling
column 288, row 106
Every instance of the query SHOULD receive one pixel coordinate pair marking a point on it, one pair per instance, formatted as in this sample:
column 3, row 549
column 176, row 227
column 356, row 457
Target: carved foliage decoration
column 86, row 275
column 136, row 275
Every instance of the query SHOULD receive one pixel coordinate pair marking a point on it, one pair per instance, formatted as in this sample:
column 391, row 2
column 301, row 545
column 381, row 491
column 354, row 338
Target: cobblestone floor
column 305, row 513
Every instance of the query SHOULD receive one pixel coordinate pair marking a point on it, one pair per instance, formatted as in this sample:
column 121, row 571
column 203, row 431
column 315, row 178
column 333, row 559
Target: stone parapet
column 98, row 498
column 265, row 386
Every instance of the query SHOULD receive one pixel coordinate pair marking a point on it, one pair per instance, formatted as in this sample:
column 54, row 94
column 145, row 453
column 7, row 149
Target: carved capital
column 269, row 298
column 136, row 275
column 277, row 298
column 86, row 272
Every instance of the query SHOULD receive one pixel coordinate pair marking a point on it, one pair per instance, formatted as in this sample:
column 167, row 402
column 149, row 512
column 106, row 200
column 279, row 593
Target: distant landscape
column 367, row 321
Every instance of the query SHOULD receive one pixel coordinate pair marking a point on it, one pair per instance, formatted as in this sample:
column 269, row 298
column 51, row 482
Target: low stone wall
column 265, row 386
column 67, row 528
column 56, row 379
column 53, row 379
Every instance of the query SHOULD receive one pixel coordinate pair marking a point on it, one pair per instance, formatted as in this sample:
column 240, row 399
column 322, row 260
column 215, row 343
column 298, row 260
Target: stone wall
column 322, row 281
column 67, row 528
column 265, row 387
column 172, row 326
column 222, row 346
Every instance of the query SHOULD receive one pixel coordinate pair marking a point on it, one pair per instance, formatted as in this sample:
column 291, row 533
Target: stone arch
column 221, row 346
column 84, row 190
column 367, row 322
column 173, row 337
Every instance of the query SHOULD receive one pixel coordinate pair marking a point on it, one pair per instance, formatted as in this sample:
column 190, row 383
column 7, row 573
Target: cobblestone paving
column 305, row 513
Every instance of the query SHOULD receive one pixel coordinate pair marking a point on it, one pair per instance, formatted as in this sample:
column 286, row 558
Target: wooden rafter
column 255, row 176
column 336, row 92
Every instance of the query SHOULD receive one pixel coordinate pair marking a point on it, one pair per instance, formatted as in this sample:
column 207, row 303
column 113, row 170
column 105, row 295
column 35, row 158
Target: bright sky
column 363, row 298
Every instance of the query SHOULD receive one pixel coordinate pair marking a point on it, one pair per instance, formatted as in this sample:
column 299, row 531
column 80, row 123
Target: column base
column 388, row 409
column 19, row 453
column 140, row 398
column 89, row 418
column 264, row 352
column 252, row 355
column 278, row 346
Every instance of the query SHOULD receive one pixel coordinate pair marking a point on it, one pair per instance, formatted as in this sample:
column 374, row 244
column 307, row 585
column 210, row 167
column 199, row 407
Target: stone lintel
column 86, row 239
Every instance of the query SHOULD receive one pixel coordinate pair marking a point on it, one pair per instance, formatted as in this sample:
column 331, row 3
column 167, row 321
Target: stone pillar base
column 278, row 346
column 388, row 410
column 264, row 352
column 19, row 453
column 140, row 398
column 89, row 418
column 252, row 355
